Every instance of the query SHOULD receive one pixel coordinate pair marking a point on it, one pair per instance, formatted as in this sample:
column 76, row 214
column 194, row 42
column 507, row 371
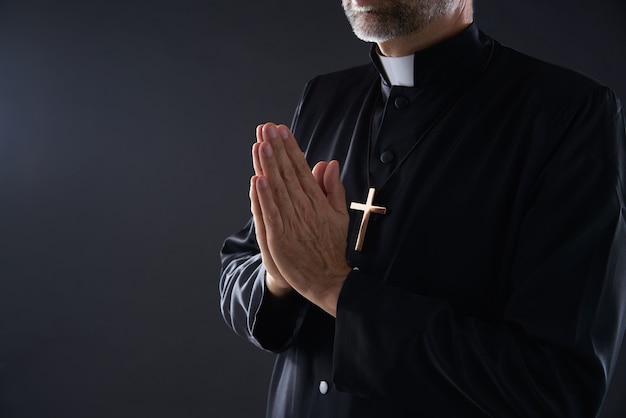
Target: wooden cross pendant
column 367, row 208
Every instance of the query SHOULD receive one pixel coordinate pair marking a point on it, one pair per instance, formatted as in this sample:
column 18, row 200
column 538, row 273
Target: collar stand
column 450, row 61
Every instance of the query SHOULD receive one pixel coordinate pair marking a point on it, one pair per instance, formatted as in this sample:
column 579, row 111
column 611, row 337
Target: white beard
column 394, row 18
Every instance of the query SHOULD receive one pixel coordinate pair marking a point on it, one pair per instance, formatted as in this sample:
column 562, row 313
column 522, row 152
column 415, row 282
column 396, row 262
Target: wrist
column 328, row 301
column 277, row 288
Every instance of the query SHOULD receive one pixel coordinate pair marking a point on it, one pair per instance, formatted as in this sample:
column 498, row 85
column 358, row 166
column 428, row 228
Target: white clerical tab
column 400, row 70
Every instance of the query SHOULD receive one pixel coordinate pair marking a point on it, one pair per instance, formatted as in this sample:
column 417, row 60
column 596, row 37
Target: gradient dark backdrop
column 125, row 134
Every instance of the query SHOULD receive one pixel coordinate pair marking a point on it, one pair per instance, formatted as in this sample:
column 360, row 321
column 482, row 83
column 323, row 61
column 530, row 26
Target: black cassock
column 495, row 284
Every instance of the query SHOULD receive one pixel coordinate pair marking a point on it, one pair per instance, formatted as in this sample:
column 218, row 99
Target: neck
column 437, row 31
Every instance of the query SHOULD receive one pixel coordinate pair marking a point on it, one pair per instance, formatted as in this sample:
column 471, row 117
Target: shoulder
column 335, row 83
column 349, row 76
column 561, row 108
column 542, row 82
column 331, row 94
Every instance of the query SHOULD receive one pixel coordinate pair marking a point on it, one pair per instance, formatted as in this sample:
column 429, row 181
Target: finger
column 256, row 162
column 257, row 215
column 259, row 133
column 318, row 173
column 270, row 212
column 287, row 175
column 300, row 165
column 259, row 227
column 282, row 184
column 335, row 191
column 280, row 172
column 302, row 186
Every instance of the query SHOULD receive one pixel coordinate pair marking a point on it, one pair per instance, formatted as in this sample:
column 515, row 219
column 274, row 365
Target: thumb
column 335, row 192
column 318, row 173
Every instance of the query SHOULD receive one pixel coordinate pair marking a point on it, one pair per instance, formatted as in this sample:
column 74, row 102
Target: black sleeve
column 245, row 304
column 564, row 314
column 244, row 299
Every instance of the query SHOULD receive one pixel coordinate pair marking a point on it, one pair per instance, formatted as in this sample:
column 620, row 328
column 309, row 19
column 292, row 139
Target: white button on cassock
column 323, row 387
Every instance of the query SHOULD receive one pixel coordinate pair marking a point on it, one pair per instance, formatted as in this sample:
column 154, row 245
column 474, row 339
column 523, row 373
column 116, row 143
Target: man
column 459, row 249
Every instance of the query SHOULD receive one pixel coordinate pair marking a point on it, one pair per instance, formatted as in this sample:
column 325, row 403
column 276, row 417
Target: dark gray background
column 125, row 134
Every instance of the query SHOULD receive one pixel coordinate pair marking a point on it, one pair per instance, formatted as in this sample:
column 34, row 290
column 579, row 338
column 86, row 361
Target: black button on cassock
column 386, row 157
column 401, row 102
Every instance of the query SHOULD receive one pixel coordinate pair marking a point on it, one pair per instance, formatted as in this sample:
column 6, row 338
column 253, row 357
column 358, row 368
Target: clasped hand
column 301, row 219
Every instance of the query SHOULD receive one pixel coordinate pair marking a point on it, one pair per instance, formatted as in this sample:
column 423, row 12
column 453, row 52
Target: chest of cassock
column 449, row 176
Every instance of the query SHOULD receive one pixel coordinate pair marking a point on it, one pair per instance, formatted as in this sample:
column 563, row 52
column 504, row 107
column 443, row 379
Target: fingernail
column 284, row 132
column 272, row 132
column 262, row 182
column 267, row 150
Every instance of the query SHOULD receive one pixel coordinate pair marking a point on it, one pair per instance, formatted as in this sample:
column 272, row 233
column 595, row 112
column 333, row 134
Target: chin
column 371, row 35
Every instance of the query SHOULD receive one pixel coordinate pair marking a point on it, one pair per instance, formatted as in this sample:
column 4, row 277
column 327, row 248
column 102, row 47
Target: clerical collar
column 452, row 61
column 399, row 70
